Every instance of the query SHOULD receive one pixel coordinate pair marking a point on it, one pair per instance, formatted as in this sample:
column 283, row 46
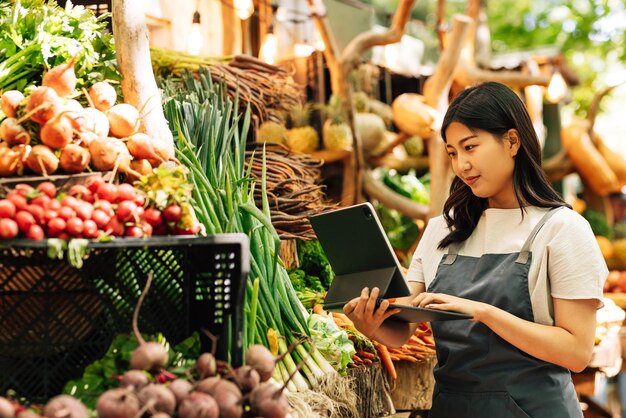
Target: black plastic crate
column 56, row 319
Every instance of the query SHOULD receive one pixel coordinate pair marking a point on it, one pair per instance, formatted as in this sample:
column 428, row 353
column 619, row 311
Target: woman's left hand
column 443, row 302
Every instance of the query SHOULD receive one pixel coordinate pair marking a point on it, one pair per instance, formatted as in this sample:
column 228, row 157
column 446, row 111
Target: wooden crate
column 413, row 389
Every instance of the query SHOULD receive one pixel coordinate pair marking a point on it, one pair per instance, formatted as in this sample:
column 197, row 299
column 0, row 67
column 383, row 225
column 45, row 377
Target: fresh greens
column 332, row 342
column 598, row 223
column 314, row 262
column 407, row 185
column 401, row 230
column 36, row 35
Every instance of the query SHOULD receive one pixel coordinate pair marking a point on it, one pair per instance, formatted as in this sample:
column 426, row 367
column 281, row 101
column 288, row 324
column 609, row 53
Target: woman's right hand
column 366, row 316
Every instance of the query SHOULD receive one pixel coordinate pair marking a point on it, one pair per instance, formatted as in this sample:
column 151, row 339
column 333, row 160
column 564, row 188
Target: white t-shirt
column 566, row 260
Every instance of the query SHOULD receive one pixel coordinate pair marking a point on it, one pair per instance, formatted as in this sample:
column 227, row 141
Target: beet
column 162, row 398
column 206, row 385
column 247, row 377
column 268, row 401
column 65, row 406
column 198, row 405
column 6, row 408
column 180, row 388
column 161, row 415
column 228, row 397
column 262, row 360
column 206, row 365
column 118, row 403
column 134, row 380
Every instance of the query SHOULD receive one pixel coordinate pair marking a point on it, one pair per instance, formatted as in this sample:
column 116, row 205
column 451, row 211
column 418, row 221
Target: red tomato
column 48, row 188
column 7, row 208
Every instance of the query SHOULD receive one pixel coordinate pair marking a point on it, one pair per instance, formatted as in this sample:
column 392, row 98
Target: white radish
column 61, row 78
column 124, row 120
column 43, row 104
column 13, row 132
column 9, row 102
column 103, row 95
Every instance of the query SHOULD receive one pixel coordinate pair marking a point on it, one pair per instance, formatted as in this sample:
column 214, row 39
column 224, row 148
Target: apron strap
column 524, row 254
column 453, row 251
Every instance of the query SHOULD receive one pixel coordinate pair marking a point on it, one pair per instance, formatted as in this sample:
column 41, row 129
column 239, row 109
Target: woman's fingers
column 371, row 303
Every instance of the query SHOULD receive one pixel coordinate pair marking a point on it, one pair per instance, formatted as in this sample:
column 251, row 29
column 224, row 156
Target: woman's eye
column 451, row 154
column 469, row 147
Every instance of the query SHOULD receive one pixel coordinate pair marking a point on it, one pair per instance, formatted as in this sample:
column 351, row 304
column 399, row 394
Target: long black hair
column 495, row 108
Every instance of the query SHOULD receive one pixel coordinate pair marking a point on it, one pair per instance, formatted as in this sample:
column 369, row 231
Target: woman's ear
column 513, row 141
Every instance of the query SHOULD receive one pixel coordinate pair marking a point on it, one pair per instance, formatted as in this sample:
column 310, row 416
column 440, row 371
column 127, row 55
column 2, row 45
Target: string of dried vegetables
column 293, row 190
column 269, row 90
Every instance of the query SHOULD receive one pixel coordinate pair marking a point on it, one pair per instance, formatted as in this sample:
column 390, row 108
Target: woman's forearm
column 393, row 333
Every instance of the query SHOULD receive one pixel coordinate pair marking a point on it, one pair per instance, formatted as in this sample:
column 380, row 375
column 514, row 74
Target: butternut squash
column 414, row 117
column 589, row 163
column 616, row 162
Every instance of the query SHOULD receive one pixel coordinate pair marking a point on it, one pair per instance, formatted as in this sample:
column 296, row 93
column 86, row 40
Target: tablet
column 410, row 313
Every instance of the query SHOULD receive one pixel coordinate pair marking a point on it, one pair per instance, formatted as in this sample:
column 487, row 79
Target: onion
column 118, row 403
column 9, row 102
column 74, row 159
column 103, row 95
column 65, row 406
column 43, row 104
column 124, row 120
column 42, row 160
column 57, row 132
column 61, row 78
column 13, row 132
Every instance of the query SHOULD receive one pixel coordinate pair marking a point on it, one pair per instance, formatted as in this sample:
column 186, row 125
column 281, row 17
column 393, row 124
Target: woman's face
column 484, row 163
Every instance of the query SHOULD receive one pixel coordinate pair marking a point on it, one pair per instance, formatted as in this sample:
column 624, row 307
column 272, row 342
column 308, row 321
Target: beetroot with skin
column 267, row 400
column 160, row 415
column 149, row 356
column 247, row 377
column 198, row 405
column 206, row 365
column 229, row 398
column 118, row 403
column 134, row 380
column 206, row 385
column 180, row 388
column 162, row 398
column 65, row 406
column 6, row 408
column 262, row 360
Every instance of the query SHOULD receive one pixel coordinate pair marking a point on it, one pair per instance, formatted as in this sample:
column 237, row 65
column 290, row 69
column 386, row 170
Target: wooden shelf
column 331, row 156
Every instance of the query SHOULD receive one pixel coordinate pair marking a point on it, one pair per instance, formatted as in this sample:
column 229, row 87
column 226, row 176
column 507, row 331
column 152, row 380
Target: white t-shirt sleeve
column 576, row 268
column 426, row 250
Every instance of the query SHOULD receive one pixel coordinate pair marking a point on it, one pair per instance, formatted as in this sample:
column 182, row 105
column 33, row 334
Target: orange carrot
column 384, row 356
column 319, row 309
column 365, row 354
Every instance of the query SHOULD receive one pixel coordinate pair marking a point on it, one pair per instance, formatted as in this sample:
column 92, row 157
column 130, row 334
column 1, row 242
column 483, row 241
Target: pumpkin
column 413, row 116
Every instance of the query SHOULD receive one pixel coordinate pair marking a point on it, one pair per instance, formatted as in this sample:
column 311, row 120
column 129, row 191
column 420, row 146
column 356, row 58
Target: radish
column 74, row 159
column 57, row 132
column 198, row 405
column 74, row 226
column 65, row 406
column 41, row 201
column 69, row 201
column 35, row 232
column 24, row 220
column 172, row 213
column 56, row 226
column 17, row 199
column 73, row 106
column 126, row 211
column 262, row 360
column 114, row 227
column 207, row 385
column 123, row 120
column 228, row 397
column 108, row 153
column 161, row 398
column 90, row 229
column 181, row 389
column 10, row 101
column 66, row 213
column 134, row 232
column 108, row 192
column 48, row 188
column 81, row 192
column 28, row 413
column 7, row 208
column 103, row 95
column 37, row 212
column 100, row 217
column 93, row 182
column 13, row 132
column 6, row 408
column 42, row 160
column 118, row 403
column 43, row 104
column 84, row 210
column 149, row 356
column 10, row 162
column 61, row 78
column 153, row 217
column 126, row 191
column 8, row 228
column 98, row 123
column 140, row 146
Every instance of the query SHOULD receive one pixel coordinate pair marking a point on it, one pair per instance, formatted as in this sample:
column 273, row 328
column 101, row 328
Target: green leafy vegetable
column 332, row 342
column 407, row 185
column 314, row 262
column 401, row 230
column 598, row 223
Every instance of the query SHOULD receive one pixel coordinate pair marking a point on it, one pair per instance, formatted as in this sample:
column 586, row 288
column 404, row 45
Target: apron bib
column 478, row 373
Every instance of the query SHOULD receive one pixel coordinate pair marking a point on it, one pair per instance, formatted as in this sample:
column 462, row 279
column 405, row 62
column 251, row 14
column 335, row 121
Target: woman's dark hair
column 495, row 108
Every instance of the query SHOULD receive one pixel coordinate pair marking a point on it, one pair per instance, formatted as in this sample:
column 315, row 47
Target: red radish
column 50, row 215
column 123, row 120
column 61, row 78
column 181, row 389
column 57, row 132
column 18, row 200
column 13, row 132
column 69, row 201
column 198, row 405
column 140, row 200
column 65, row 406
column 126, row 211
column 94, row 182
column 42, row 160
column 118, row 403
column 10, row 101
column 187, row 231
column 96, row 122
column 56, row 226
column 90, row 229
column 104, row 205
column 35, row 232
column 172, row 213
column 108, row 192
column 74, row 159
column 63, row 236
column 114, row 227
column 24, row 189
column 7, row 208
column 134, row 232
column 103, row 95
column 161, row 229
column 41, row 201
column 134, row 380
column 100, row 217
column 37, row 212
column 53, row 204
column 82, row 192
column 162, row 398
column 8, row 228
column 126, row 192
column 84, row 210
column 7, row 410
column 149, row 356
column 153, row 216
column 66, row 213
column 24, row 220
column 140, row 146
column 74, row 226
column 10, row 162
column 48, row 188
column 43, row 104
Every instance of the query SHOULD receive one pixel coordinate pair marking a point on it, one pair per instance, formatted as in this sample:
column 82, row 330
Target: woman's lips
column 471, row 180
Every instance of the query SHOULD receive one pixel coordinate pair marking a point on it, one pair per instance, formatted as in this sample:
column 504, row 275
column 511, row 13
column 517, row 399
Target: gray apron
column 478, row 373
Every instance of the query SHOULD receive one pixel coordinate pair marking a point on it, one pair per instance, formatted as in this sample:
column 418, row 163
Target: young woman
column 512, row 254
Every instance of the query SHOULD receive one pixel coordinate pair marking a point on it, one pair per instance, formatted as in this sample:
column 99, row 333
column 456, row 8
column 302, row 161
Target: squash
column 414, row 117
column 371, row 130
column 589, row 163
column 616, row 162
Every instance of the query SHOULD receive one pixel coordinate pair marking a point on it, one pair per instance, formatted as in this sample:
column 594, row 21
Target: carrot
column 393, row 357
column 365, row 354
column 386, row 359
column 391, row 300
column 406, row 358
column 367, row 361
column 319, row 309
column 343, row 318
